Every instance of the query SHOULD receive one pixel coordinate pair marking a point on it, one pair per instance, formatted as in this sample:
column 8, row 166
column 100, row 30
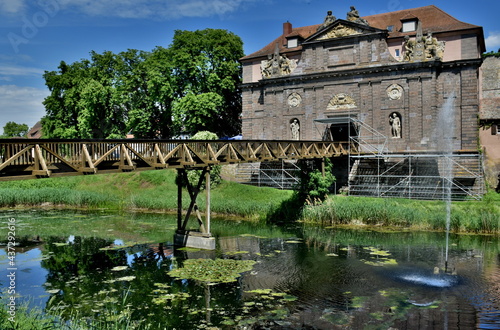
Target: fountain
column 443, row 135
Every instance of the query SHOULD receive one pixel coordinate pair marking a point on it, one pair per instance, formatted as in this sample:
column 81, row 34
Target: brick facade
column 359, row 73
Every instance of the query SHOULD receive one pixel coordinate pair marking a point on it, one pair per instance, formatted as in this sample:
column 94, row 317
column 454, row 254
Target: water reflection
column 304, row 277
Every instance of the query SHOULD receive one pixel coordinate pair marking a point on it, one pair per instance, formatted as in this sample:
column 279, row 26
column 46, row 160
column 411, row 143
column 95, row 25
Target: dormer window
column 409, row 26
column 292, row 42
column 390, row 28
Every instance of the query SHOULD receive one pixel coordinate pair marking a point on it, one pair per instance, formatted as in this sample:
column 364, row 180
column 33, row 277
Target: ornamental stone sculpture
column 277, row 65
column 295, row 128
column 329, row 19
column 353, row 16
column 395, row 123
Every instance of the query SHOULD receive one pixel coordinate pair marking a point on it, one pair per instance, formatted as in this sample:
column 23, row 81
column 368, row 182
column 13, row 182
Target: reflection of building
column 347, row 78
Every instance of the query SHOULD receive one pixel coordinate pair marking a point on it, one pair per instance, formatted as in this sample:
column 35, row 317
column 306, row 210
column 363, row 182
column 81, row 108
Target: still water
column 114, row 267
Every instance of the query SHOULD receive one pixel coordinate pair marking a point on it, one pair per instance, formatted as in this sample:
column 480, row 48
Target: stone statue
column 440, row 49
column 409, row 47
column 277, row 65
column 295, row 127
column 329, row 19
column 395, row 123
column 353, row 16
column 430, row 47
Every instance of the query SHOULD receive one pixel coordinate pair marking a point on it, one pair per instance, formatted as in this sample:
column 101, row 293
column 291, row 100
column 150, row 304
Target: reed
column 470, row 216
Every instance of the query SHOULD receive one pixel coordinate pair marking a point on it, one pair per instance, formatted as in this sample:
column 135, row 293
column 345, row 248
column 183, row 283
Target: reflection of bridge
column 22, row 159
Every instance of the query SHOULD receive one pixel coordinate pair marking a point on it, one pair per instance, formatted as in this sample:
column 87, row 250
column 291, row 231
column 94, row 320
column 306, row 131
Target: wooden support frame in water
column 182, row 221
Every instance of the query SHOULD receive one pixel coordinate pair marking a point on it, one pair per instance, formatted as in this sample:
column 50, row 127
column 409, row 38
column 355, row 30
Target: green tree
column 12, row 129
column 193, row 176
column 84, row 102
column 207, row 78
column 188, row 87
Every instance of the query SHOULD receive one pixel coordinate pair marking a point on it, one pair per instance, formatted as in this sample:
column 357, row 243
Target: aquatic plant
column 212, row 271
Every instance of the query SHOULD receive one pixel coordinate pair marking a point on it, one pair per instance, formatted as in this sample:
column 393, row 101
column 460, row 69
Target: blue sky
column 36, row 35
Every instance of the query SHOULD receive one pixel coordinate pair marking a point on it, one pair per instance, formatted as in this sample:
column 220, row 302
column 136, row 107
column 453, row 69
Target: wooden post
column 207, row 212
column 323, row 166
column 180, row 176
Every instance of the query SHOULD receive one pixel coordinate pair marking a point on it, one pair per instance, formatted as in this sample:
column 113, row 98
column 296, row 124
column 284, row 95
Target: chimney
column 287, row 28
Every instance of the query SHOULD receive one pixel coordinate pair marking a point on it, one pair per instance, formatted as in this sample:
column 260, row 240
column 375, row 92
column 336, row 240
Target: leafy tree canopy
column 190, row 86
column 12, row 129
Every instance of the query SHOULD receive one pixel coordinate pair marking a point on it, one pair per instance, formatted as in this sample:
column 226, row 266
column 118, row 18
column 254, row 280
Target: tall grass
column 157, row 190
column 475, row 217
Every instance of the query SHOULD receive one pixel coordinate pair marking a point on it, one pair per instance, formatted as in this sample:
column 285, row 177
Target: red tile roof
column 432, row 18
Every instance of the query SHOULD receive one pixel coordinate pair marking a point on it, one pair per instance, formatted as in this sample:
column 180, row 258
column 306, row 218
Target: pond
column 121, row 268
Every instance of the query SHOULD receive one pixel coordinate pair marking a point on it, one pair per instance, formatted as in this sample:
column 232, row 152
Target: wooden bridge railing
column 33, row 158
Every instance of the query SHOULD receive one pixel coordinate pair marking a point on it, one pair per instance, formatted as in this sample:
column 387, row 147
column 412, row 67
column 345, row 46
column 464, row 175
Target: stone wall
column 416, row 92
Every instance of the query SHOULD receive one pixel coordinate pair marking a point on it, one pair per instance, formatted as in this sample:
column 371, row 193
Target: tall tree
column 188, row 87
column 207, row 78
column 12, row 129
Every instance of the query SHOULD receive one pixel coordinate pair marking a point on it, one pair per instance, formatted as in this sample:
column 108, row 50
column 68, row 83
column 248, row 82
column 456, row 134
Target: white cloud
column 493, row 41
column 12, row 70
column 161, row 9
column 22, row 105
column 11, row 6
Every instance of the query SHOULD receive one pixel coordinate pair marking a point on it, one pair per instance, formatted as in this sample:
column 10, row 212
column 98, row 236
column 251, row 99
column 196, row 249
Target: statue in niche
column 329, row 19
column 295, row 128
column 353, row 16
column 395, row 122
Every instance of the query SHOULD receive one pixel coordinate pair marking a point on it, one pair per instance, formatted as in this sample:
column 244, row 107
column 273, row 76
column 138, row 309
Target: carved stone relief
column 294, row 99
column 395, row 92
column 423, row 48
column 277, row 66
column 341, row 101
column 339, row 31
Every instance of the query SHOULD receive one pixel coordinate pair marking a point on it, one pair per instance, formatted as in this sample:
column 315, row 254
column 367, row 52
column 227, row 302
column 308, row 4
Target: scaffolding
column 427, row 175
column 281, row 175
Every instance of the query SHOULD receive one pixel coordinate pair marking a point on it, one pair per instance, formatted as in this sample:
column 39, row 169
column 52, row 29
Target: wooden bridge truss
column 22, row 159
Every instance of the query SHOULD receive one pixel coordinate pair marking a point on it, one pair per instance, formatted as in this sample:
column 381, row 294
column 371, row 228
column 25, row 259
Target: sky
column 36, row 35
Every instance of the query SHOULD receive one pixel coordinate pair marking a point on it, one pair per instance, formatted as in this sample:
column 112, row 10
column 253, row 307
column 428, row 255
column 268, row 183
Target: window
column 292, row 43
column 390, row 28
column 397, row 52
column 409, row 26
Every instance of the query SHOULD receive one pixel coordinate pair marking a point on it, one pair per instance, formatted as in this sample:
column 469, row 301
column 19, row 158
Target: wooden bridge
column 22, row 159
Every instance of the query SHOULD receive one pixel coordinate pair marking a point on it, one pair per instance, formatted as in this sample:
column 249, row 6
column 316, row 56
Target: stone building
column 382, row 76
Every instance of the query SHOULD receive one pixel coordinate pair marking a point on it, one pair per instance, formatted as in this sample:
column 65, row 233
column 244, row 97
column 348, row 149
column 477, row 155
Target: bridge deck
column 22, row 159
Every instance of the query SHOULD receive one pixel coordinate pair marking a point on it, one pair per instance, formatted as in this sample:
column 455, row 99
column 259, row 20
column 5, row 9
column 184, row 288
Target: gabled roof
column 431, row 17
column 359, row 28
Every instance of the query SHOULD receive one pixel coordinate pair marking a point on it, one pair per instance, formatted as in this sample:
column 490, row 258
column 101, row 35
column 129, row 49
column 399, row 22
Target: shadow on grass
column 288, row 211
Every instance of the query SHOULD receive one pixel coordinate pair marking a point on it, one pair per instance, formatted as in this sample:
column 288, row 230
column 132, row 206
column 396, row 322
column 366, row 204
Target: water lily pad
column 126, row 278
column 215, row 271
column 119, row 268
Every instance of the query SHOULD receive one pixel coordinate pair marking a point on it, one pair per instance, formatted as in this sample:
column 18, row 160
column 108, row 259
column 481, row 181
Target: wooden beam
column 40, row 164
column 16, row 156
column 88, row 159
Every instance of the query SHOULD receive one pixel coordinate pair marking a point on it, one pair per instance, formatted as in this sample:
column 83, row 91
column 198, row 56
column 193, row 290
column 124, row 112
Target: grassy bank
column 150, row 190
column 156, row 190
column 469, row 216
